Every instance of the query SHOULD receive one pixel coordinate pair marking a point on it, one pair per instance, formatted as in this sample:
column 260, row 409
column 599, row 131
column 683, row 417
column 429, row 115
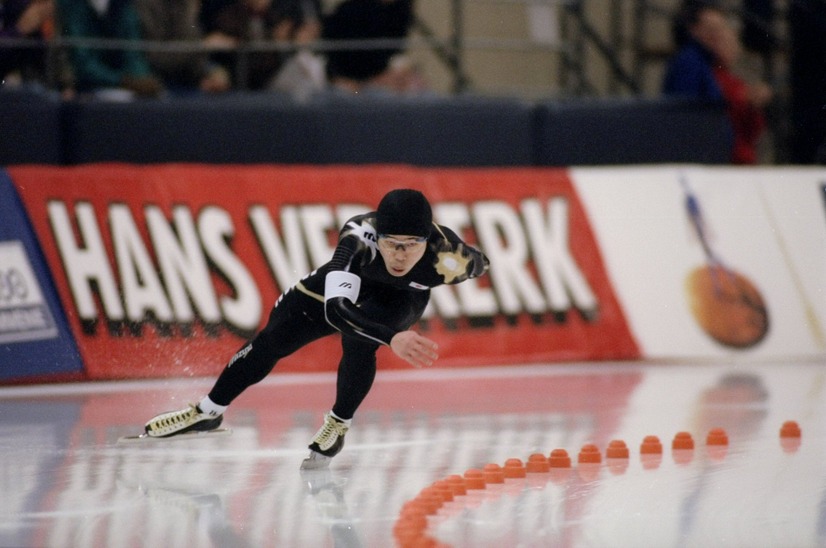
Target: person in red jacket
column 703, row 68
column 744, row 101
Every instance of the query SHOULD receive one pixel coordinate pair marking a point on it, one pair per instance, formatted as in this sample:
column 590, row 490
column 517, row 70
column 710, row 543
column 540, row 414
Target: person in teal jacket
column 97, row 69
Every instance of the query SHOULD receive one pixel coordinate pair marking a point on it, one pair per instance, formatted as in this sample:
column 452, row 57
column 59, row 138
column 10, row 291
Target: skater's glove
column 481, row 264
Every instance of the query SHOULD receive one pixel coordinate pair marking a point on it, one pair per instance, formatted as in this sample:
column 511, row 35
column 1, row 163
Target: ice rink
column 67, row 483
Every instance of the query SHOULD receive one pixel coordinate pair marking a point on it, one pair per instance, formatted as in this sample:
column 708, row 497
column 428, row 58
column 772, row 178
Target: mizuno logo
column 240, row 355
column 346, row 285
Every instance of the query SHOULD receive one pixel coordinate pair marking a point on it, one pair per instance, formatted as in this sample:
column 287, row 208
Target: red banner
column 166, row 270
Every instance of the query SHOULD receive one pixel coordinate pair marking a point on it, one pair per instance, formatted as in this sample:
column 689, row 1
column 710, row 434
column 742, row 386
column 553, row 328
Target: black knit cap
column 404, row 212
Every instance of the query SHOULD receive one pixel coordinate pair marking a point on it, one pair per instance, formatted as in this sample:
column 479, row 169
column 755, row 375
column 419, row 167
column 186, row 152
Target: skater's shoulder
column 361, row 227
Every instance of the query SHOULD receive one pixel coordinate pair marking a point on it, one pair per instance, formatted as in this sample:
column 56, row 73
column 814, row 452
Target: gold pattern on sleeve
column 452, row 265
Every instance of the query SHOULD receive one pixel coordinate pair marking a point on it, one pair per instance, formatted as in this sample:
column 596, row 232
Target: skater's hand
column 416, row 350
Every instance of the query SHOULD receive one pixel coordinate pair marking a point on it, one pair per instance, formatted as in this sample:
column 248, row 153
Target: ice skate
column 192, row 503
column 327, row 493
column 326, row 444
column 191, row 419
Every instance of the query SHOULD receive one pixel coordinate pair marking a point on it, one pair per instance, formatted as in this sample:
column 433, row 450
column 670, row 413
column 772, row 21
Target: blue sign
column 35, row 340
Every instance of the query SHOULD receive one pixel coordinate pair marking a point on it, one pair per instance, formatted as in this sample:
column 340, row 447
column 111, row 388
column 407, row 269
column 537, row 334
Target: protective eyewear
column 392, row 244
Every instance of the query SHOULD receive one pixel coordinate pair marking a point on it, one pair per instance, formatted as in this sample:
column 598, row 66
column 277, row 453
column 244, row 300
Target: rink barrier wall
column 257, row 128
column 630, row 131
column 31, row 130
column 166, row 270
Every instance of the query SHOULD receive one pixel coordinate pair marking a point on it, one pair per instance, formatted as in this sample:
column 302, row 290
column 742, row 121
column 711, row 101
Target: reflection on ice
column 66, row 482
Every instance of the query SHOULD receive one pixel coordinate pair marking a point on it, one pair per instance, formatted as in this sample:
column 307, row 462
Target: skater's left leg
column 357, row 369
column 356, row 373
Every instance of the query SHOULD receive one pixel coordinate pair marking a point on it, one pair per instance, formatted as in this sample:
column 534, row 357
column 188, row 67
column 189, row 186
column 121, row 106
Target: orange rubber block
column 682, row 440
column 589, row 454
column 790, row 429
column 617, row 449
column 559, row 459
column 493, row 473
column 474, row 479
column 537, row 463
column 651, row 445
column 717, row 436
column 457, row 484
column 442, row 489
column 514, row 468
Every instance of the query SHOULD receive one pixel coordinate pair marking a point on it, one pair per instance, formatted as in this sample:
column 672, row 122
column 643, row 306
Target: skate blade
column 195, row 434
column 316, row 461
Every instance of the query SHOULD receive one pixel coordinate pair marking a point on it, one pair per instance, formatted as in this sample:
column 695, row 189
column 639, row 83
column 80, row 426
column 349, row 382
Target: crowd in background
column 704, row 66
column 285, row 57
column 708, row 49
column 215, row 46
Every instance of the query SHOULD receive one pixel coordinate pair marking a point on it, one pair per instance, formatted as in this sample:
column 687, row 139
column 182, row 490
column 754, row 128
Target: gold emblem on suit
column 452, row 265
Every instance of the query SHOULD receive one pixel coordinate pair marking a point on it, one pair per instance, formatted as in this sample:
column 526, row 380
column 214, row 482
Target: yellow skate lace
column 169, row 422
column 329, row 433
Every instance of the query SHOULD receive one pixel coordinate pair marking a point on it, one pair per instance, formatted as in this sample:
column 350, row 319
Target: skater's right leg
column 294, row 321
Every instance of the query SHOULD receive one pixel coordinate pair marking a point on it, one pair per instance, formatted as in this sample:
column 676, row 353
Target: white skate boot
column 191, row 419
column 326, row 444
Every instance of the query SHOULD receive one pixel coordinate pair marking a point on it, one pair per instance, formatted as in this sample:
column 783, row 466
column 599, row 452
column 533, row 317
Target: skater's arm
column 459, row 260
column 347, row 318
column 341, row 290
column 342, row 314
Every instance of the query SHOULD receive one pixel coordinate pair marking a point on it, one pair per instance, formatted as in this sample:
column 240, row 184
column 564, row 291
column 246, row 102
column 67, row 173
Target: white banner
column 24, row 314
column 714, row 261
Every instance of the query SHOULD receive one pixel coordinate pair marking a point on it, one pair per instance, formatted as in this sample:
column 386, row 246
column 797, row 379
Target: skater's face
column 401, row 253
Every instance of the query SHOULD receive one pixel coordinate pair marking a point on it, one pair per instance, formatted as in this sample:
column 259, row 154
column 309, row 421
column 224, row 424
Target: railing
column 621, row 48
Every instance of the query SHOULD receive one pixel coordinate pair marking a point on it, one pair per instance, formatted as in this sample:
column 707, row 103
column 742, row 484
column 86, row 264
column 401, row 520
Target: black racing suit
column 385, row 306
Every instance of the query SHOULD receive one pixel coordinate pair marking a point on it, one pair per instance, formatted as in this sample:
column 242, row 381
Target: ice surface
column 65, row 481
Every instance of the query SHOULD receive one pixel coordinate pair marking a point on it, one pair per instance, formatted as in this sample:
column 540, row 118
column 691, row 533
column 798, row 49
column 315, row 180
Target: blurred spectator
column 708, row 49
column 178, row 20
column 807, row 27
column 402, row 77
column 690, row 71
column 302, row 74
column 32, row 19
column 107, row 73
column 232, row 23
column 354, row 69
column 745, row 102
